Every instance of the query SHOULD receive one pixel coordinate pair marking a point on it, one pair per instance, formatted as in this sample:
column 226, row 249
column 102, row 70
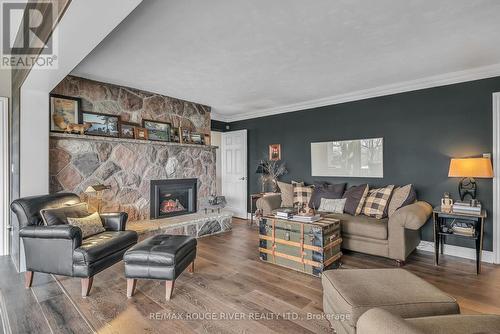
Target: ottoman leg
column 169, row 287
column 131, row 282
column 191, row 267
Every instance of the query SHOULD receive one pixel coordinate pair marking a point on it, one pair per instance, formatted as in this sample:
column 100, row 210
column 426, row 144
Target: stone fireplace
column 172, row 197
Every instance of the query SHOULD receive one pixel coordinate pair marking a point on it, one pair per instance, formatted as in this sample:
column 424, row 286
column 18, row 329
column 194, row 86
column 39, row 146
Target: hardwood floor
column 230, row 284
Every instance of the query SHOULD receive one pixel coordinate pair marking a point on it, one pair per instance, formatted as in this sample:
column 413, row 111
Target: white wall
column 215, row 139
column 74, row 44
column 4, row 176
column 5, row 77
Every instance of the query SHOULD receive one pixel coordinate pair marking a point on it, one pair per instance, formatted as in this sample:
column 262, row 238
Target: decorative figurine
column 446, row 203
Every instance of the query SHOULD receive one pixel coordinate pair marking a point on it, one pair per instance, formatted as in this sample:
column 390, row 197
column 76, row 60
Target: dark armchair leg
column 400, row 263
column 28, row 279
column 86, row 285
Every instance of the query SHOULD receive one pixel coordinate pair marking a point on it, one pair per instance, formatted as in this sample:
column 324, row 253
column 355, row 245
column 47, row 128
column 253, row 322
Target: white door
column 234, row 171
column 4, row 176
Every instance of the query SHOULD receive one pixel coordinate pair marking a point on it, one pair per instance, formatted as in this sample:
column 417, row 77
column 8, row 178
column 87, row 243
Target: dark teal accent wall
column 421, row 130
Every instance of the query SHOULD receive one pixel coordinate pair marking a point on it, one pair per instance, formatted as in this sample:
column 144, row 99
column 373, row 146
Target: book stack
column 466, row 208
column 306, row 219
column 284, row 213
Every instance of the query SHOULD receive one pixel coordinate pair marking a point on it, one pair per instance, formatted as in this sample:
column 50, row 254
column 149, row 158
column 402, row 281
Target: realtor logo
column 25, row 29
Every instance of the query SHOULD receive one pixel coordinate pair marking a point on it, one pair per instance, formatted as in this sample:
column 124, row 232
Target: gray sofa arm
column 412, row 216
column 268, row 203
column 377, row 321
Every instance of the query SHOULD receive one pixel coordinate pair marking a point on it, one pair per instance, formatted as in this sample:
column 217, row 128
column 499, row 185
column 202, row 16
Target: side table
column 440, row 220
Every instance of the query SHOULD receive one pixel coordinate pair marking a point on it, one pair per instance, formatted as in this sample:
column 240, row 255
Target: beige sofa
column 395, row 237
column 376, row 321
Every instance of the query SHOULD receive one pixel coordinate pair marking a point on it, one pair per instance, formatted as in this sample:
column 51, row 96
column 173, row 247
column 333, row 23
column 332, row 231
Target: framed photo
column 140, row 133
column 207, row 140
column 175, row 135
column 101, row 124
column 275, row 152
column 127, row 129
column 196, row 138
column 64, row 110
column 159, row 131
column 185, row 136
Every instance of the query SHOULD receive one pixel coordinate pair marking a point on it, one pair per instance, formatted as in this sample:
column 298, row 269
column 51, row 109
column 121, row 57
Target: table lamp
column 97, row 191
column 261, row 169
column 468, row 169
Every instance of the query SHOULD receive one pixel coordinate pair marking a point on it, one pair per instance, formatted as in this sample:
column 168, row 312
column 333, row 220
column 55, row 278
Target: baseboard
column 463, row 252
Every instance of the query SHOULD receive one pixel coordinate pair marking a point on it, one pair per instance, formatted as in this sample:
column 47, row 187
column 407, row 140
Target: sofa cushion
column 89, row 225
column 56, row 216
column 363, row 226
column 102, row 245
column 377, row 201
column 457, row 324
column 401, row 196
column 301, row 195
column 286, row 194
column 325, row 190
column 355, row 196
column 355, row 291
column 332, row 205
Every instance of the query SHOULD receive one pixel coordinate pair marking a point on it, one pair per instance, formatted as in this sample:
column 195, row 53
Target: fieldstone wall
column 134, row 105
column 126, row 165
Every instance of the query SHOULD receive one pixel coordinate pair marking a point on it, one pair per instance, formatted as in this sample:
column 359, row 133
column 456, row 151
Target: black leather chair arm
column 114, row 221
column 52, row 232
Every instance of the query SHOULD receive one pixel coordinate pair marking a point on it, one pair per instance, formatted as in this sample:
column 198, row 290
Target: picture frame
column 157, row 131
column 275, row 152
column 64, row 110
column 140, row 133
column 103, row 125
column 197, row 138
column 175, row 135
column 127, row 129
column 185, row 136
column 207, row 140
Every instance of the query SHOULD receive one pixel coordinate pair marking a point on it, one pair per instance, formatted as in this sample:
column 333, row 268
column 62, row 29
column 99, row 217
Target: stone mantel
column 126, row 140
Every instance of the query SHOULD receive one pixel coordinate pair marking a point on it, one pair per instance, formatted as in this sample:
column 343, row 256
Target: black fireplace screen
column 172, row 197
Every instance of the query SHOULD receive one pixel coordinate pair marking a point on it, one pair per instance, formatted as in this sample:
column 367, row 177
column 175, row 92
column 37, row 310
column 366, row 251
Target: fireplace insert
column 172, row 197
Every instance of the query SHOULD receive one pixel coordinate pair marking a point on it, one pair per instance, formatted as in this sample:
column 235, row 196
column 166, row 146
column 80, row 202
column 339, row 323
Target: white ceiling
column 250, row 58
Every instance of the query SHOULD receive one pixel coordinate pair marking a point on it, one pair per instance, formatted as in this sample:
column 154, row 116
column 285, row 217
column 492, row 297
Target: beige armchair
column 377, row 321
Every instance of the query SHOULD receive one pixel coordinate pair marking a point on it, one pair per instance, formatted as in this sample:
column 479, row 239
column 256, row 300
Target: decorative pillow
column 332, row 205
column 286, row 194
column 355, row 199
column 89, row 225
column 377, row 202
column 325, row 190
column 57, row 216
column 402, row 196
column 301, row 195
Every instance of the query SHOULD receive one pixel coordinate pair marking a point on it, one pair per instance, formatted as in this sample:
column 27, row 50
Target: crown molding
column 406, row 86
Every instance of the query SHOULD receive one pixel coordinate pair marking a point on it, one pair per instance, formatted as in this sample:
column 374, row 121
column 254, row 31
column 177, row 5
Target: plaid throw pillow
column 301, row 195
column 377, row 201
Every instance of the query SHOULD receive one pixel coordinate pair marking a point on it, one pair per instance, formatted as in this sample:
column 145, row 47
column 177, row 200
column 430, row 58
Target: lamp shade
column 260, row 169
column 471, row 167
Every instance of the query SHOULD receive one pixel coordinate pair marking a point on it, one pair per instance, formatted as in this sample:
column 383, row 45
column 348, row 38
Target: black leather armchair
column 60, row 249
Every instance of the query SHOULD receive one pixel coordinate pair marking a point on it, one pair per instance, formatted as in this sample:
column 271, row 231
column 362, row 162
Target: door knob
column 242, row 178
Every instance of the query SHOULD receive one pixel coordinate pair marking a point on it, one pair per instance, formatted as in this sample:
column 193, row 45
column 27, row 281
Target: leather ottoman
column 161, row 257
column 348, row 293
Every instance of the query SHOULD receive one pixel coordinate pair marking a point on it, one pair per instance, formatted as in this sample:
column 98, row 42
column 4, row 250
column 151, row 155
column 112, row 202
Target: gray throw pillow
column 57, row 216
column 325, row 190
column 355, row 199
column 89, row 225
column 402, row 196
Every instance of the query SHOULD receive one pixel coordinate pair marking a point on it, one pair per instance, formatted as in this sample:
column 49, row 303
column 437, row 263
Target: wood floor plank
column 229, row 279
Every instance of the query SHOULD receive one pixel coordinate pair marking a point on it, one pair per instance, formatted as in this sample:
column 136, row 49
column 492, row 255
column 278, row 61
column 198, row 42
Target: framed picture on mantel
column 159, row 131
column 64, row 110
column 102, row 124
